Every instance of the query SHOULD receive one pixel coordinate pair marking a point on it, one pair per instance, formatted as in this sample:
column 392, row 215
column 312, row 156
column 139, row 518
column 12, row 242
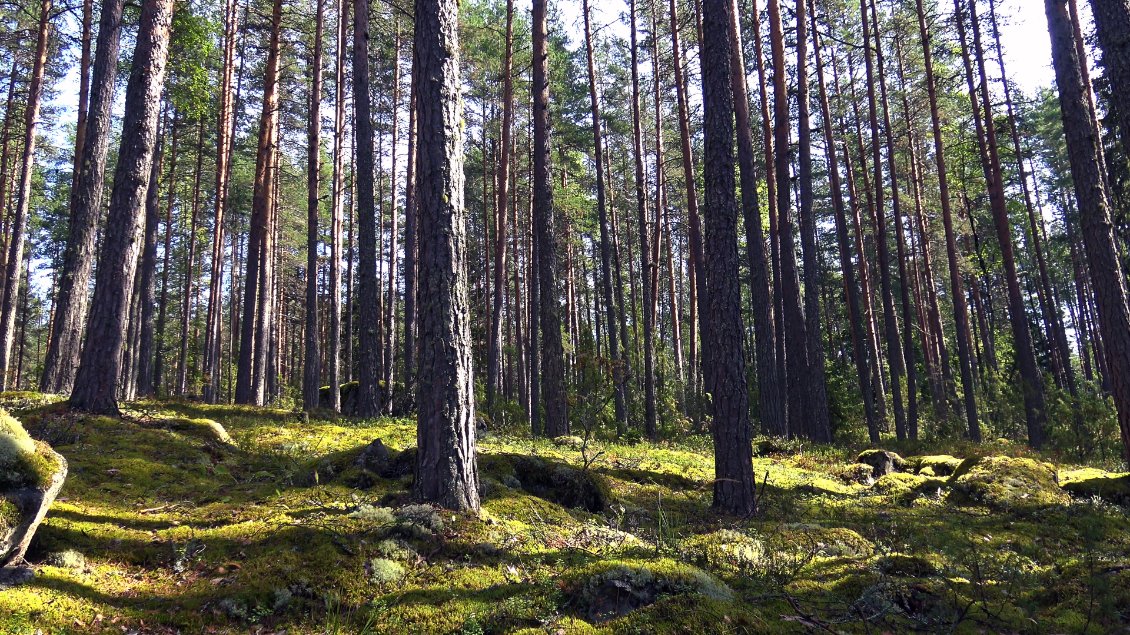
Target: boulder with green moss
column 31, row 475
column 1004, row 483
column 934, row 465
column 1093, row 483
column 882, row 462
column 610, row 589
column 563, row 484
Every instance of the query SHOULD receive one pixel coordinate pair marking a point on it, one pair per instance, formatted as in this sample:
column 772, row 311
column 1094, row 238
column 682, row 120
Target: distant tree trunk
column 333, row 352
column 851, row 289
column 1084, row 151
column 411, row 224
column 694, row 232
column 145, row 366
column 896, row 361
column 368, row 286
column 910, row 430
column 733, row 482
column 312, row 364
column 1035, row 413
column 957, row 291
column 445, row 469
column 646, row 265
column 166, row 260
column 552, row 350
column 5, row 154
column 10, row 297
column 394, row 219
column 769, row 403
column 257, row 297
column 95, row 384
column 776, row 294
column 190, row 268
column 225, row 131
column 494, row 345
column 818, row 426
column 83, row 88
column 610, row 306
column 65, row 343
column 792, row 323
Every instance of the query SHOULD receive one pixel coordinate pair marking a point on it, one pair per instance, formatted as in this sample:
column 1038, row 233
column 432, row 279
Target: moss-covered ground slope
column 168, row 525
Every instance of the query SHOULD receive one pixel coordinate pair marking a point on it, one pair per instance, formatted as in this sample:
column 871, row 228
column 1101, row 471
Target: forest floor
column 167, row 525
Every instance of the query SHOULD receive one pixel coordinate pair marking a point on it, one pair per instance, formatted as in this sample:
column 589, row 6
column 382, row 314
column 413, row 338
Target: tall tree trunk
column 957, row 291
column 552, row 350
column 333, row 349
column 257, row 298
column 368, row 286
column 733, row 468
column 312, row 365
column 1112, row 25
column 446, row 471
column 769, row 396
column 818, row 427
column 896, row 365
column 95, row 384
column 646, row 266
column 611, row 308
column 851, row 289
column 1084, row 151
column 911, row 426
column 792, row 321
column 145, row 366
column 190, row 268
column 225, row 131
column 494, row 353
column 390, row 306
column 1035, row 413
column 71, row 305
column 10, row 297
column 697, row 269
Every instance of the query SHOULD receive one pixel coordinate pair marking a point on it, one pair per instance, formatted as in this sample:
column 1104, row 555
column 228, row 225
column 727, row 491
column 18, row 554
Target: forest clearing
column 164, row 528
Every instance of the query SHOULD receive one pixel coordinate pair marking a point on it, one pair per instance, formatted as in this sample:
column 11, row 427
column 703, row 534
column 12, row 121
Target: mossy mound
column 24, row 462
column 563, row 484
column 1092, row 483
column 882, row 461
column 908, row 566
column 1003, row 483
column 803, row 540
column 611, row 589
column 934, row 465
column 725, row 549
column 897, row 484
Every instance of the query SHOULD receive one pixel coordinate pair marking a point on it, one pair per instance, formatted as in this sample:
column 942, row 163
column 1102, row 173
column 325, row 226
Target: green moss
column 905, row 565
column 934, row 465
column 9, row 515
column 383, row 571
column 1093, row 483
column 897, row 484
column 725, row 549
column 1002, row 482
column 613, row 588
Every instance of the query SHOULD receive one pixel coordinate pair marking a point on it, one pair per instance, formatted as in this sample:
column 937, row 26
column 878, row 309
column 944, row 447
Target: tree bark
column 549, row 284
column 446, row 472
column 368, row 286
column 71, row 305
column 1084, row 151
column 733, row 453
column 312, row 361
column 95, row 384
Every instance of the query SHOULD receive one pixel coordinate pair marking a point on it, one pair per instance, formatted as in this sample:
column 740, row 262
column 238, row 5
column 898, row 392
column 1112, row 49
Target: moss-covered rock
column 934, row 465
column 569, row 441
column 1003, row 483
column 725, row 549
column 610, row 589
column 908, row 566
column 31, row 476
column 563, row 484
column 897, row 484
column 1093, row 483
column 882, row 462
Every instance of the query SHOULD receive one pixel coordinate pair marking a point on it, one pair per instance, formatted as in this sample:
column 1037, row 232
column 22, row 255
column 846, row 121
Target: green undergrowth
column 165, row 525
